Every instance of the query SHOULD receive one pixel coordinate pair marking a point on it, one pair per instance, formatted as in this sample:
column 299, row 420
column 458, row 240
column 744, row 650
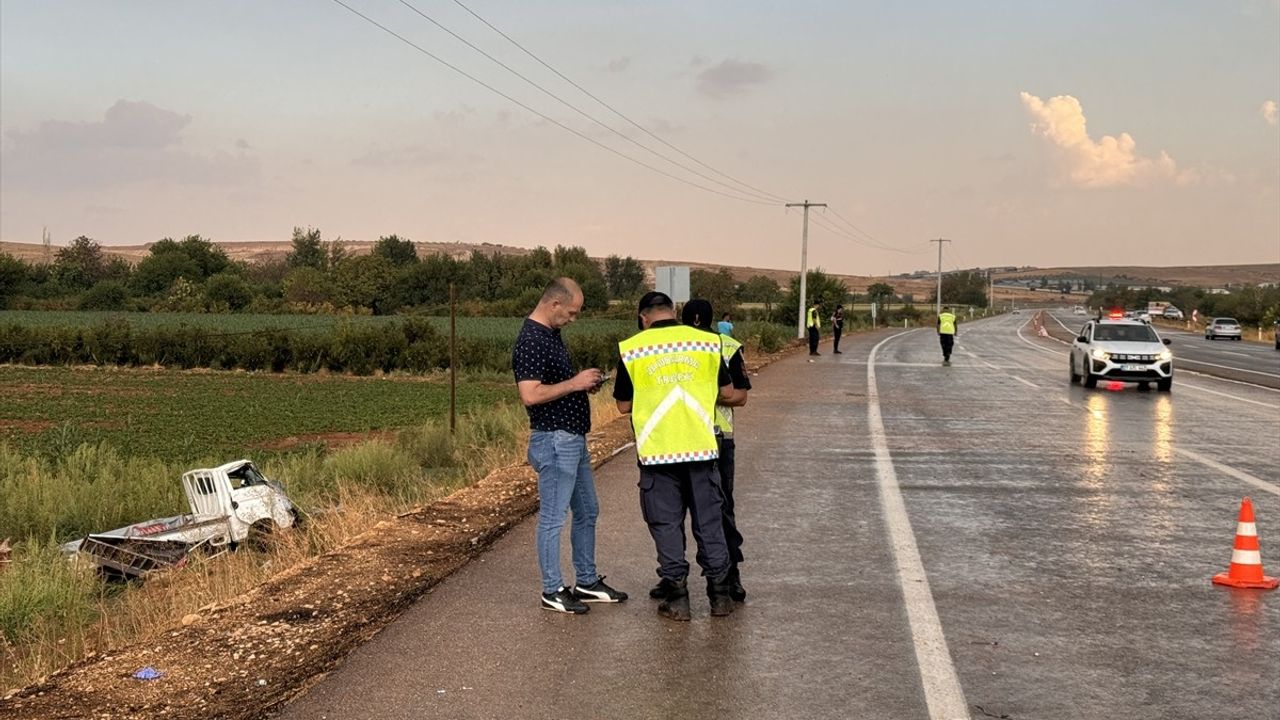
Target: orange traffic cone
column 1246, row 559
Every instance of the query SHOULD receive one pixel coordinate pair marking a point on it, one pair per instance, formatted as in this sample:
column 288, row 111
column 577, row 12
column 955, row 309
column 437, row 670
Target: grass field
column 474, row 327
column 194, row 417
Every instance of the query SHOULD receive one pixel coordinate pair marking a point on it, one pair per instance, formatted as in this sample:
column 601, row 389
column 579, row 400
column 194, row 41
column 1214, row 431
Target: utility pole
column 938, row 305
column 804, row 260
column 991, row 290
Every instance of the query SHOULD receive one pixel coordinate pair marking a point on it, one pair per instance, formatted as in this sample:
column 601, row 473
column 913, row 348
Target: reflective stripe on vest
column 724, row 415
column 947, row 324
column 675, row 372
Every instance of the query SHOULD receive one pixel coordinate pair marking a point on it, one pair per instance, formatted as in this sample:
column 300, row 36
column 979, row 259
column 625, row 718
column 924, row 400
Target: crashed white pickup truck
column 229, row 504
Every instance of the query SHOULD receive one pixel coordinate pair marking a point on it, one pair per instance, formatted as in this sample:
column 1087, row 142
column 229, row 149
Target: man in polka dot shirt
column 560, row 418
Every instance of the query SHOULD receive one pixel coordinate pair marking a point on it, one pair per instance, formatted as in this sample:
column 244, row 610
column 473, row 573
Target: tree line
column 323, row 276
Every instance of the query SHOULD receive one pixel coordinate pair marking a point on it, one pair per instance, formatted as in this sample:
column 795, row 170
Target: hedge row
column 412, row 345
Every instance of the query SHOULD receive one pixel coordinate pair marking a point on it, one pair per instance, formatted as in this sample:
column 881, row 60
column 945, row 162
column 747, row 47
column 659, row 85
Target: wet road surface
column 972, row 541
column 1251, row 362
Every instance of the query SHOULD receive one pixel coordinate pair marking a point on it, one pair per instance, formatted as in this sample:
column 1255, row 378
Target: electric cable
column 542, row 115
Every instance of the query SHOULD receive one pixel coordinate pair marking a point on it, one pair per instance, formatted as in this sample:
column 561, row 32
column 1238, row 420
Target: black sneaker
column 598, row 591
column 563, row 601
column 666, row 588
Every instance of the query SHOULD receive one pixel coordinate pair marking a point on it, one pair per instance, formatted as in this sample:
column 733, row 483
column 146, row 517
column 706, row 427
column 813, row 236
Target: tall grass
column 53, row 611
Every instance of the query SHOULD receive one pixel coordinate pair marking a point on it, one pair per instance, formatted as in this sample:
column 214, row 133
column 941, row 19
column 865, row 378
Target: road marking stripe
column 1227, row 470
column 1225, row 367
column 1243, row 355
column 942, row 692
column 1025, row 382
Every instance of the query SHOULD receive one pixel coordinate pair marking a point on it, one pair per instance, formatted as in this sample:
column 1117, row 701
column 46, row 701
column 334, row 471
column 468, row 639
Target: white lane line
column 1225, row 395
column 942, row 691
column 1243, row 355
column 1228, row 470
column 1226, row 367
column 1025, row 382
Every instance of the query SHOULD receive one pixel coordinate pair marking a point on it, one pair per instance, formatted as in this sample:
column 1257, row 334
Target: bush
column 229, row 291
column 106, row 295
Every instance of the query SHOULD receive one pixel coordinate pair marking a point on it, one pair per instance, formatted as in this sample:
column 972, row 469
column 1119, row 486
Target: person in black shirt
column 560, row 418
column 837, row 327
column 697, row 313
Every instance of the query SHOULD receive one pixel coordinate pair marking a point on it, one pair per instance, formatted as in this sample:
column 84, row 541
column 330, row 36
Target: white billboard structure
column 672, row 280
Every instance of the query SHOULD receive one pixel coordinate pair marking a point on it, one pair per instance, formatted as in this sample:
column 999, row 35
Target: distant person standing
column 725, row 326
column 947, row 333
column 697, row 313
column 560, row 418
column 814, row 323
column 837, row 327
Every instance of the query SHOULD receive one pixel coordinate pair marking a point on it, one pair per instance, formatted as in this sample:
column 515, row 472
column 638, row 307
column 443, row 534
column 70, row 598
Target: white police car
column 1125, row 350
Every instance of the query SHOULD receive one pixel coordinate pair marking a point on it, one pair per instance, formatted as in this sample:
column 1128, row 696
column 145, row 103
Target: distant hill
column 921, row 286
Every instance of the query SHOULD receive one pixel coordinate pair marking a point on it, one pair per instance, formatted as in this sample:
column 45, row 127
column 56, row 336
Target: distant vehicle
column 1121, row 349
column 1223, row 327
column 1171, row 313
column 1143, row 316
column 230, row 504
column 1079, row 310
column 1156, row 307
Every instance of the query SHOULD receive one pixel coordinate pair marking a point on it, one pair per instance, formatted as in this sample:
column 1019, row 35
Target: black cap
column 652, row 299
column 699, row 309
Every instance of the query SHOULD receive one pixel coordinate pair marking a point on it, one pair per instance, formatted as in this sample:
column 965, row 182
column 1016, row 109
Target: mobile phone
column 604, row 378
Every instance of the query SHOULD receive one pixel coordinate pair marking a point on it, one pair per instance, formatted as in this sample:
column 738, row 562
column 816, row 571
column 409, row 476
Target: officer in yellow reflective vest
column 669, row 380
column 698, row 313
column 813, row 322
column 947, row 333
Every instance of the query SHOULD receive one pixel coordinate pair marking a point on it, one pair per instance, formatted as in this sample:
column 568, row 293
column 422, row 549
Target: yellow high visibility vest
column 675, row 371
column 724, row 415
column 814, row 322
column 947, row 324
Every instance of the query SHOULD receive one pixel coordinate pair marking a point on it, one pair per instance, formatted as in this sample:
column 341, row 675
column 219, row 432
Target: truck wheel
column 261, row 535
column 1165, row 385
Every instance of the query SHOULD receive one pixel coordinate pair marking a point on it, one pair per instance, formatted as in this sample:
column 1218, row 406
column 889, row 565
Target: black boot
column 718, row 593
column 734, row 581
column 666, row 588
column 675, row 606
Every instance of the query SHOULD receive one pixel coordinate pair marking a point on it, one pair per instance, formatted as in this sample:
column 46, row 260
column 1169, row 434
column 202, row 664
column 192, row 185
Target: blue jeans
column 564, row 483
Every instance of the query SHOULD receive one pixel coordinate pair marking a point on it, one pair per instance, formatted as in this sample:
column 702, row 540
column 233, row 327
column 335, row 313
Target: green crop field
column 193, row 417
column 472, row 327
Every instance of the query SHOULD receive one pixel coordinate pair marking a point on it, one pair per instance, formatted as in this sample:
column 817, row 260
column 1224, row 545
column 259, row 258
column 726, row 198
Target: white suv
column 1124, row 350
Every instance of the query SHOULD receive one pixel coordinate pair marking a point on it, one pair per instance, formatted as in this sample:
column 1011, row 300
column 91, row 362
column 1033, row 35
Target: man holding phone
column 560, row 418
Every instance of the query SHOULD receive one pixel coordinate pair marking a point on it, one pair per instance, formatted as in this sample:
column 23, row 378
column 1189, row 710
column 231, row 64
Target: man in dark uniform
column 697, row 313
column 669, row 381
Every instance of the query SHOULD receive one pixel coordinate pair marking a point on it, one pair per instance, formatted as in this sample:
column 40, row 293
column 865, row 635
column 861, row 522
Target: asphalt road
column 983, row 540
column 1249, row 362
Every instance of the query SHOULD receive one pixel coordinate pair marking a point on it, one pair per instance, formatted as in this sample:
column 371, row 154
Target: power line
column 845, row 235
column 544, row 116
column 573, row 107
column 614, row 110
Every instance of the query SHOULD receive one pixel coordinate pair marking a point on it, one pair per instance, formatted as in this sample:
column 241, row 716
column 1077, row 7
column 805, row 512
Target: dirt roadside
column 241, row 659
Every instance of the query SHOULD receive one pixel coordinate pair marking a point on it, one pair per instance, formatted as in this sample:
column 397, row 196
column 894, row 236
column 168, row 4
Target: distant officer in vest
column 947, row 333
column 814, row 323
column 669, row 380
column 697, row 313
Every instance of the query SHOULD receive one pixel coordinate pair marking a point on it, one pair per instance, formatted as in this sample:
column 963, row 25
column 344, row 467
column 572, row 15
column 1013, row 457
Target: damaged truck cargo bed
column 230, row 504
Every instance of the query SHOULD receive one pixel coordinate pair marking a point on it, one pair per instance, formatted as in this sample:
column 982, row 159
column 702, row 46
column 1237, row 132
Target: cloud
column 1107, row 162
column 135, row 142
column 1269, row 113
column 619, row 64
column 731, row 77
column 404, row 157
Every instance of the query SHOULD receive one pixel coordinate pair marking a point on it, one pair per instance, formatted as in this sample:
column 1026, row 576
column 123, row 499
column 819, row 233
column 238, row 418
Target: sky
column 1026, row 132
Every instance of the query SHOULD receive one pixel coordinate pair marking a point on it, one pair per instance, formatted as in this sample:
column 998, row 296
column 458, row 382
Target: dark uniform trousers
column 948, row 341
column 665, row 492
column 732, row 537
column 813, row 339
